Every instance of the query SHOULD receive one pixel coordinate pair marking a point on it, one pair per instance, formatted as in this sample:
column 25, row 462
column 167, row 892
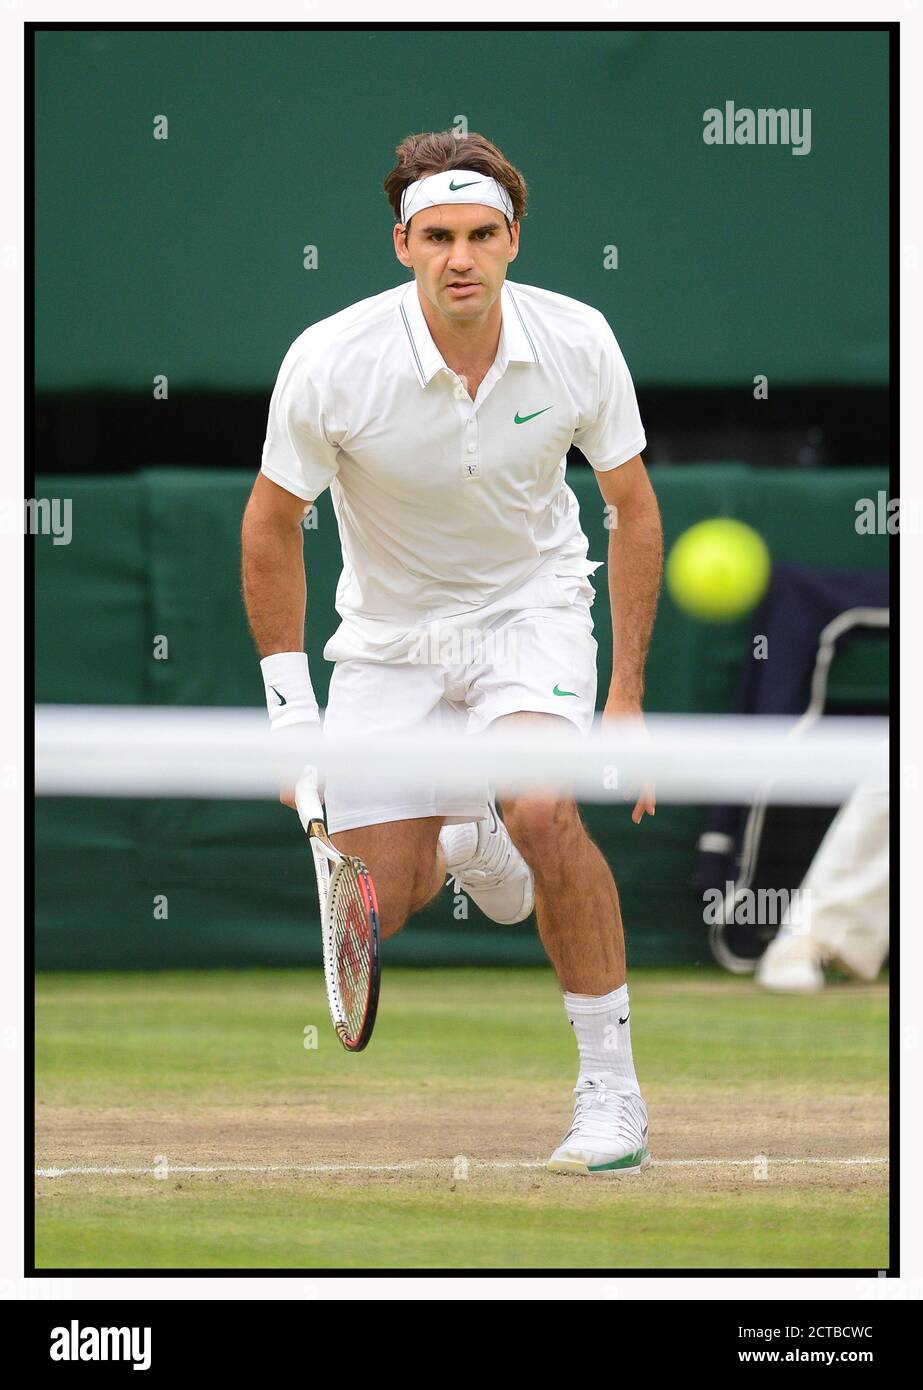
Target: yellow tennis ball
column 718, row 569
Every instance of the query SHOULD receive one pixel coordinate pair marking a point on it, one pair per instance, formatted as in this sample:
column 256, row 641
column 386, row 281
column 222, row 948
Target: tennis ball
column 718, row 569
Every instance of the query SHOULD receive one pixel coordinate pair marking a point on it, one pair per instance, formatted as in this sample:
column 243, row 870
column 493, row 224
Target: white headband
column 455, row 186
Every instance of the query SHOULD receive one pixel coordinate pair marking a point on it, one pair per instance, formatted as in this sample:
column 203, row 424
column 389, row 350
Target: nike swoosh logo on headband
column 454, row 187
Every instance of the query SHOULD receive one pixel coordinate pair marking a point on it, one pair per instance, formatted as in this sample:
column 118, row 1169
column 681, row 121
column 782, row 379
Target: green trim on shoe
column 632, row 1160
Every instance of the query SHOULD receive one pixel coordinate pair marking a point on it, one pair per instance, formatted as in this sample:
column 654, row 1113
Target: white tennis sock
column 603, row 1034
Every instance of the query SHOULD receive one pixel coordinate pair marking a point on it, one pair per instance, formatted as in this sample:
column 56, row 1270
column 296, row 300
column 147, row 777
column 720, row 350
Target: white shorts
column 459, row 679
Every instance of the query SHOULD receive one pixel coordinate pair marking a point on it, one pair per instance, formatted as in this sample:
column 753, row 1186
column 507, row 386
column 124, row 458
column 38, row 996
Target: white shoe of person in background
column 840, row 916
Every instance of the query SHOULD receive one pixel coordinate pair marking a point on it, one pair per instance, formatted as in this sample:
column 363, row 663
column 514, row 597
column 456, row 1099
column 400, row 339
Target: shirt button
column 471, row 448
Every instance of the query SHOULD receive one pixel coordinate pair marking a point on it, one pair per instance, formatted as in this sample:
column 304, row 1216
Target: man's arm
column 272, row 562
column 635, row 568
column 635, row 564
column 272, row 553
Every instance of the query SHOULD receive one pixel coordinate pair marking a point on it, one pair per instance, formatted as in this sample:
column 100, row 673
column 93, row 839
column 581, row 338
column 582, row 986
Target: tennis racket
column 349, row 927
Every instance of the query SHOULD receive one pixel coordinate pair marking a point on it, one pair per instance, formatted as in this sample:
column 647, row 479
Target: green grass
column 351, row 1230
column 121, row 1058
column 241, row 1034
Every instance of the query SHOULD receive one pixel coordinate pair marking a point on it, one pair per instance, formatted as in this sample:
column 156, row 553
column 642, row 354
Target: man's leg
column 401, row 851
column 576, row 900
column 580, row 926
column 840, row 913
column 405, row 861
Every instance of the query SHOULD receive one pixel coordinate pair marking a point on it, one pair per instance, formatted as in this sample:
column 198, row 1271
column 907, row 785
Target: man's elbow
column 629, row 492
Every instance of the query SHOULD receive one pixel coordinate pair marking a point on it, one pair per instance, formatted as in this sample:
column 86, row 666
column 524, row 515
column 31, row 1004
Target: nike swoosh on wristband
column 626, row 1018
column 282, row 699
column 556, row 691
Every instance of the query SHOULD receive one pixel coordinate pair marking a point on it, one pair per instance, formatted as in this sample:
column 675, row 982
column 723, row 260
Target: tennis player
column 439, row 413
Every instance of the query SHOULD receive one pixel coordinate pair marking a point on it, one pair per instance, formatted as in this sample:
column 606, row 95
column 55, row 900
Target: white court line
column 427, row 1164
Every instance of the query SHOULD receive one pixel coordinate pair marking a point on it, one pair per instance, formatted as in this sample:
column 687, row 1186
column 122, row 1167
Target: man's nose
column 460, row 255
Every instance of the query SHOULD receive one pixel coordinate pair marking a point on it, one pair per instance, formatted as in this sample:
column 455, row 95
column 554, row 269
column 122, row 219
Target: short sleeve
column 611, row 432
column 297, row 453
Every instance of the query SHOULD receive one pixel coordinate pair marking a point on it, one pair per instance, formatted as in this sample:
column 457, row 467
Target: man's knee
column 394, row 907
column 401, row 891
column 542, row 827
column 401, row 857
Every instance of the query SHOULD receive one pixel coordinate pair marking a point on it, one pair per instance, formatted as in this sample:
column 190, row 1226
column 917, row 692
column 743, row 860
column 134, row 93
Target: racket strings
column 352, row 947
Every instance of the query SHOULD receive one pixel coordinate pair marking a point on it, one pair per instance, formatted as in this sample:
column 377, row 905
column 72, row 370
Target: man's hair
column 435, row 151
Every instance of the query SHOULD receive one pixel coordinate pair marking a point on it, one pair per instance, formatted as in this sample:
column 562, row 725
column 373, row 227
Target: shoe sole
column 500, row 921
column 577, row 1167
column 790, row 986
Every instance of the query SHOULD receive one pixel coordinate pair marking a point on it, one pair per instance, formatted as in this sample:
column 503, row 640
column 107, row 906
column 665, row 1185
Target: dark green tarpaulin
column 156, row 556
column 186, row 256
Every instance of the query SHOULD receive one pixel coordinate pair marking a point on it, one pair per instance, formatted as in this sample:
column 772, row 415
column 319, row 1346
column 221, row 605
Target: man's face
column 459, row 253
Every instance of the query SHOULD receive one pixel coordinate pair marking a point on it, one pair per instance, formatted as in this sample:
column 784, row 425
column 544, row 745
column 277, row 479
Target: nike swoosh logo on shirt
column 524, row 419
column 556, row 691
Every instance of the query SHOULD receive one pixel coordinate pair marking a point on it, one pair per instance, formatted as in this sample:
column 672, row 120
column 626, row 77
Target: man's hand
column 287, row 789
column 287, row 796
column 293, row 734
column 620, row 706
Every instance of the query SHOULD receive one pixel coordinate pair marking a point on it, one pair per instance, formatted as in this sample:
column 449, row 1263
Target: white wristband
column 290, row 696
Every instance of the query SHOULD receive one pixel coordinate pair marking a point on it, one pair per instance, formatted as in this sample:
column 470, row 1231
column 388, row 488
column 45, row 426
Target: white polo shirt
column 449, row 506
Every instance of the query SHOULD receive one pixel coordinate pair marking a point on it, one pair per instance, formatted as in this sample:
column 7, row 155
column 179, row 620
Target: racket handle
column 307, row 801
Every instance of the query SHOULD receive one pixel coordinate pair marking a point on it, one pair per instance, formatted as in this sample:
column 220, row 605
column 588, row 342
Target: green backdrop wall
column 157, row 555
column 184, row 256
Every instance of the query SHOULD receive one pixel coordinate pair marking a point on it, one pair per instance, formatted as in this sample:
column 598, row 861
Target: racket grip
column 307, row 800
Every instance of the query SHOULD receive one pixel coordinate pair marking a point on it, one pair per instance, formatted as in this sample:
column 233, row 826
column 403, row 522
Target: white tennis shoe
column 484, row 863
column 608, row 1133
column 791, row 965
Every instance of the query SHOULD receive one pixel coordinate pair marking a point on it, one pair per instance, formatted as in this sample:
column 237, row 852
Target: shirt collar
column 516, row 342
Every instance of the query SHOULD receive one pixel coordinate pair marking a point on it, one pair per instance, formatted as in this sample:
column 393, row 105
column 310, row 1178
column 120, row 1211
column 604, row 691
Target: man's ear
column 514, row 241
column 400, row 246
